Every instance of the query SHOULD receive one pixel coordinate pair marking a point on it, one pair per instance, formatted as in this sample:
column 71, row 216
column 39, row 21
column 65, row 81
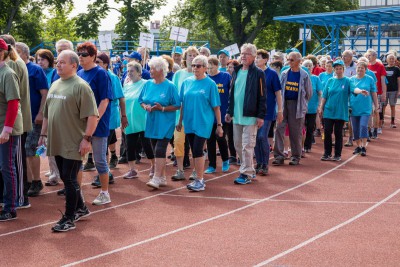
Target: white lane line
column 209, row 219
column 113, row 207
column 350, row 170
column 327, row 232
column 218, row 198
column 331, row 202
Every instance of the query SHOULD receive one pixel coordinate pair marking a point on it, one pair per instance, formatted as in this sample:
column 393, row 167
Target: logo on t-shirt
column 56, row 96
column 162, row 95
column 292, row 86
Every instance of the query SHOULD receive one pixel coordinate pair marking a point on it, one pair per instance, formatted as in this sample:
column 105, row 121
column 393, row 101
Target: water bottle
column 41, row 151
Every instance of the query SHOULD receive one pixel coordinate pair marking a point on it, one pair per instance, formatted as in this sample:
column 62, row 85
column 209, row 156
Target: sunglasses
column 83, row 54
column 197, row 66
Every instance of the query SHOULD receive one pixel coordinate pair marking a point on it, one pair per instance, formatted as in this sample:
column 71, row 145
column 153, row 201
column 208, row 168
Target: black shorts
column 112, row 137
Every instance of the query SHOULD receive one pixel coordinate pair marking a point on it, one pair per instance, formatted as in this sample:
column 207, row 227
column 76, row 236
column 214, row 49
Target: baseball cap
column 223, row 51
column 338, row 63
column 293, row 49
column 3, row 45
column 135, row 55
column 177, row 50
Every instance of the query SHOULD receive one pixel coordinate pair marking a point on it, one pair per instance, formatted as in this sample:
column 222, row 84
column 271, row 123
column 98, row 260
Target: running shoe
column 392, row 125
column 209, row 170
column 337, row 158
column 122, row 160
column 81, row 213
column 294, row 162
column 163, row 181
column 193, row 176
column 8, row 216
column 225, row 166
column 63, row 225
column 102, row 199
column 326, row 158
column 357, row 150
column 232, row 160
column 379, row 131
column 178, row 176
column 154, row 182
column 263, row 170
column 258, row 167
column 363, row 151
column 197, row 185
column 242, row 179
column 278, row 162
column 113, row 162
column 89, row 166
column 131, row 174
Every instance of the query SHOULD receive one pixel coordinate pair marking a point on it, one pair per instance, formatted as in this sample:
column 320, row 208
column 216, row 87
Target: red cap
column 3, row 45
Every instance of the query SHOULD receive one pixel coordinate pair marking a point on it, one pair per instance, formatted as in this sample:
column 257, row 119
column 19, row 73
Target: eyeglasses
column 197, row 66
column 83, row 54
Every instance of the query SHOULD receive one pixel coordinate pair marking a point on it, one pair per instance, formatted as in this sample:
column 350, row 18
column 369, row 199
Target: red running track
column 314, row 214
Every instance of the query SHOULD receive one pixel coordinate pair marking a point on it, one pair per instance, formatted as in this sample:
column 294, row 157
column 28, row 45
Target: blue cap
column 177, row 50
column 293, row 49
column 337, row 63
column 224, row 52
column 135, row 55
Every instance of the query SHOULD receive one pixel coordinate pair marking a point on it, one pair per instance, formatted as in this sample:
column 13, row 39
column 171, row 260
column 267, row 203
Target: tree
column 24, row 19
column 59, row 25
column 243, row 21
column 133, row 14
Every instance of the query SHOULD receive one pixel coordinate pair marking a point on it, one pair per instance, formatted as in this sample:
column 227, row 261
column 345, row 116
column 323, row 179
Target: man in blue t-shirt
column 38, row 89
column 100, row 83
column 274, row 98
column 117, row 66
column 297, row 91
column 223, row 80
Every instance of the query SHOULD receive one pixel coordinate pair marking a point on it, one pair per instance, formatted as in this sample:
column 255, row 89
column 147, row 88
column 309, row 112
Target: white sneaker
column 102, row 199
column 154, row 182
column 379, row 130
column 163, row 181
column 47, row 174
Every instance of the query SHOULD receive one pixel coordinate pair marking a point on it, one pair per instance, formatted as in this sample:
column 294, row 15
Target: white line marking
column 218, row 198
column 209, row 219
column 350, row 170
column 284, row 253
column 113, row 207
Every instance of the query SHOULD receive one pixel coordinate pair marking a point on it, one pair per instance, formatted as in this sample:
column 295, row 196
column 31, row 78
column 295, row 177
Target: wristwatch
column 219, row 124
column 87, row 138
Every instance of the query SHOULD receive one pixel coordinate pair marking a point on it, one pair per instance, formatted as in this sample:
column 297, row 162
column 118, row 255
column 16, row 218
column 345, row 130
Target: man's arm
column 39, row 116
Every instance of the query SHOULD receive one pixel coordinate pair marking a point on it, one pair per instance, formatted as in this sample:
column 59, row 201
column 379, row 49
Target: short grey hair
column 252, row 48
column 362, row 63
column 297, row 54
column 159, row 64
column 307, row 61
column 202, row 59
column 348, row 53
column 176, row 67
column 363, row 59
column 23, row 47
column 136, row 66
column 73, row 57
column 207, row 51
column 391, row 55
column 372, row 52
column 64, row 41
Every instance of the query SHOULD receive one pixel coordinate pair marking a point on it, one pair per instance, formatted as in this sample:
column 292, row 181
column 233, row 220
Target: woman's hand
column 219, row 131
column 179, row 127
column 156, row 106
column 364, row 92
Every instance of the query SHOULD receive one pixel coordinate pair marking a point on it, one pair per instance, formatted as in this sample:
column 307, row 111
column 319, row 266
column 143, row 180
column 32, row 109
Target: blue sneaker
column 242, row 179
column 197, row 185
column 209, row 170
column 225, row 166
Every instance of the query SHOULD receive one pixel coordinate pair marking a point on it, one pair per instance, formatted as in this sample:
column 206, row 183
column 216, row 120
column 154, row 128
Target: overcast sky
column 109, row 22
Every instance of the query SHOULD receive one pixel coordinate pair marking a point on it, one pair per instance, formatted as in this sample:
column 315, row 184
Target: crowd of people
column 73, row 104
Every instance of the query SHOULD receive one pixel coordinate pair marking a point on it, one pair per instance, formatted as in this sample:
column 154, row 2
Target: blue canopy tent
column 333, row 21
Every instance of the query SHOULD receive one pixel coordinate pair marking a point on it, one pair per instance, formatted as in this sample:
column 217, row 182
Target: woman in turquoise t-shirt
column 334, row 109
column 361, row 107
column 200, row 103
column 311, row 115
column 136, row 116
column 160, row 99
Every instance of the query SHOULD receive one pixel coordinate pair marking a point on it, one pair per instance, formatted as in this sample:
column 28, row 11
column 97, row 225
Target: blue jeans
column 360, row 126
column 99, row 147
column 9, row 172
column 262, row 144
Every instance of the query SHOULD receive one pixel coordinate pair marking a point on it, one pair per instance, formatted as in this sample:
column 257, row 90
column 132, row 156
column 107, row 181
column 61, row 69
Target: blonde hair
column 187, row 51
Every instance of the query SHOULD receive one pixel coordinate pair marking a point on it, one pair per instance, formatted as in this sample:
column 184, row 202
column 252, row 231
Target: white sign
column 179, row 34
column 271, row 55
column 308, row 34
column 146, row 40
column 105, row 42
column 232, row 49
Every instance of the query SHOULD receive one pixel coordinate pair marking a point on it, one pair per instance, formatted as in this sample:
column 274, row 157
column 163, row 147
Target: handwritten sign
column 179, row 34
column 146, row 40
column 233, row 50
column 105, row 42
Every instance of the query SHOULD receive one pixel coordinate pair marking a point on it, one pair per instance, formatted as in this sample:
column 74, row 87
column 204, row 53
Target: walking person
column 70, row 115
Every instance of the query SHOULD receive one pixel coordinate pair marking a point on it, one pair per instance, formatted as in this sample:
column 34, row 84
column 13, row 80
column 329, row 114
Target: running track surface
column 314, row 214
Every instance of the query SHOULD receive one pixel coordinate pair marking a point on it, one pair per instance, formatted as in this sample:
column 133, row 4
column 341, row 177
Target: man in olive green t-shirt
column 70, row 119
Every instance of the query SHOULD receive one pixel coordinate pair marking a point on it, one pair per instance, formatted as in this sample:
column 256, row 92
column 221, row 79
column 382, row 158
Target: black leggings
column 196, row 144
column 310, row 123
column 212, row 148
column 160, row 147
column 132, row 144
column 68, row 172
column 330, row 126
column 231, row 144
